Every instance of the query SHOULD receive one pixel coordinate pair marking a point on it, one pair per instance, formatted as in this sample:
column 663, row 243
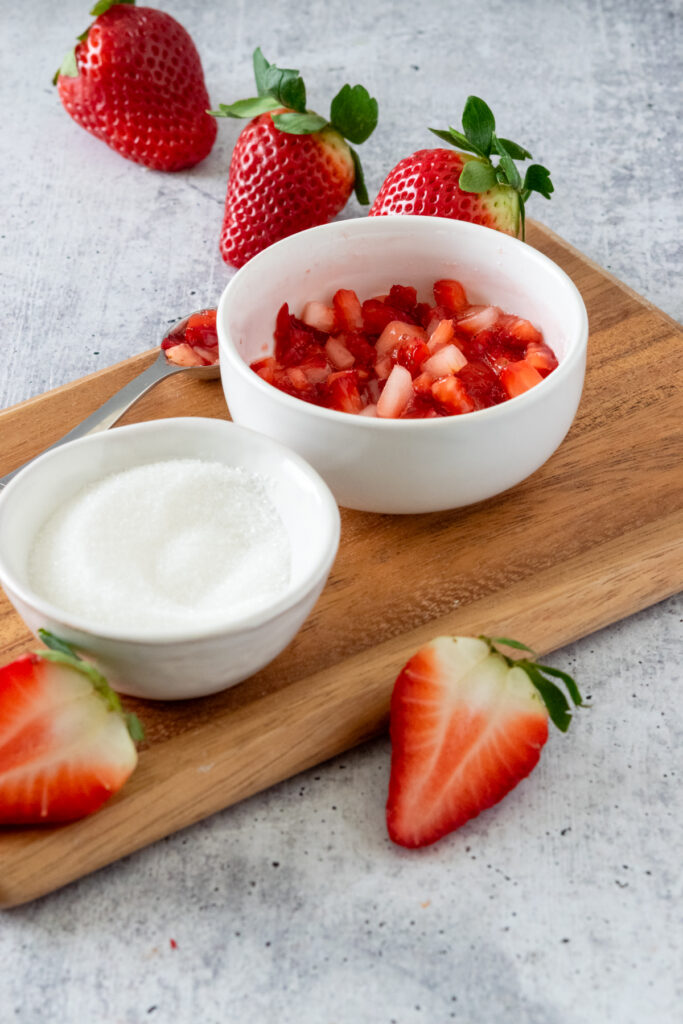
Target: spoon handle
column 113, row 409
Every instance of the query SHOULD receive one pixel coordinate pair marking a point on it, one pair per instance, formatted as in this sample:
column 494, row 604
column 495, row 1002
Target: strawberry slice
column 65, row 745
column 467, row 725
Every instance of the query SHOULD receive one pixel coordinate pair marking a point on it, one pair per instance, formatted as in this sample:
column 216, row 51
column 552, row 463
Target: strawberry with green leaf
column 467, row 725
column 291, row 169
column 478, row 182
column 135, row 81
column 66, row 746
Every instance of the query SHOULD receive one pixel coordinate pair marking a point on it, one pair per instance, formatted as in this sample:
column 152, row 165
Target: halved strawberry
column 65, row 745
column 467, row 725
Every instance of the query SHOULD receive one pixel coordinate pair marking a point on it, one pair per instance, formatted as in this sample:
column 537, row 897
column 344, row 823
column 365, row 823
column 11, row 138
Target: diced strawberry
column 395, row 333
column 208, row 355
column 452, row 395
column 523, row 330
column 396, row 393
column 434, row 317
column 65, row 747
column 201, row 329
column 342, row 392
column 183, row 355
column 420, row 406
column 412, row 353
column 540, row 357
column 338, row 354
column 478, row 318
column 315, row 370
column 422, row 384
column 369, row 410
column 376, row 316
column 442, row 335
column 450, row 294
column 519, row 377
column 482, row 385
column 383, row 367
column 266, row 368
column 422, row 313
column 298, row 378
column 373, row 389
column 347, row 308
column 403, row 297
column 448, row 359
column 320, row 316
column 361, row 349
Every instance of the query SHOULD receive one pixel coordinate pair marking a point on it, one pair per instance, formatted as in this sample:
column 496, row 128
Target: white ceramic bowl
column 406, row 465
column 200, row 660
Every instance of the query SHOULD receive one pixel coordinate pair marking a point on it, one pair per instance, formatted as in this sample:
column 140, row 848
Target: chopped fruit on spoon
column 465, row 184
column 291, row 169
column 195, row 343
column 65, row 745
column 135, row 81
column 467, row 725
column 452, row 357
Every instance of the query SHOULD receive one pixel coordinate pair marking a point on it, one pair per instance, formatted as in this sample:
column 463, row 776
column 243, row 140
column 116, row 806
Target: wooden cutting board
column 591, row 537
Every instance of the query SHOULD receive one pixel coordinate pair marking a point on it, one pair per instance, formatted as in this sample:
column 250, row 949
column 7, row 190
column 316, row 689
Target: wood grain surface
column 593, row 536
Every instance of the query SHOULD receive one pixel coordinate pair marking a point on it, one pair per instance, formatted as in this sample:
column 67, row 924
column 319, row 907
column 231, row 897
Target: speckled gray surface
column 563, row 904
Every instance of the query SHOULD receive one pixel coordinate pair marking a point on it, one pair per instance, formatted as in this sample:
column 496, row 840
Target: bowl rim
column 229, row 355
column 252, row 620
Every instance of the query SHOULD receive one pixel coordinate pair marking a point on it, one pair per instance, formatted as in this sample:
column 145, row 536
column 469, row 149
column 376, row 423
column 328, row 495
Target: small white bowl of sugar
column 181, row 555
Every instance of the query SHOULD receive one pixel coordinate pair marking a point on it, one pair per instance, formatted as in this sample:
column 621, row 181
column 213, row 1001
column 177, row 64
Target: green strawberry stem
column 353, row 112
column 478, row 136
column 63, row 653
column 553, row 697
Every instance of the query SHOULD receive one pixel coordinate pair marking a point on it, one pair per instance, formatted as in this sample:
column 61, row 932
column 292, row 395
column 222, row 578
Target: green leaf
column 537, row 179
column 508, row 164
column 553, row 698
column 353, row 112
column 478, row 124
column 299, row 124
column 477, row 176
column 103, row 5
column 568, row 681
column 455, row 138
column 246, row 108
column 522, row 215
column 68, row 67
column 516, row 151
column 261, row 66
column 286, row 86
column 135, row 728
column 359, row 182
column 515, row 644
column 55, row 644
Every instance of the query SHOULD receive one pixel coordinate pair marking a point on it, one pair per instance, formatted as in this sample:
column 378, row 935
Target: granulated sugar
column 164, row 546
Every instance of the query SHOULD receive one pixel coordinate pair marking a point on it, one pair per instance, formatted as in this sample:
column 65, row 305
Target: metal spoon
column 113, row 409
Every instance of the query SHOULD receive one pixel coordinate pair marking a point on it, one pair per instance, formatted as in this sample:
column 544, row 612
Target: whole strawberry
column 135, row 81
column 291, row 169
column 466, row 185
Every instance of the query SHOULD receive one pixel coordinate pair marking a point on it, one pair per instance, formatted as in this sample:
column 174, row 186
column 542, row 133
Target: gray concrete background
column 563, row 904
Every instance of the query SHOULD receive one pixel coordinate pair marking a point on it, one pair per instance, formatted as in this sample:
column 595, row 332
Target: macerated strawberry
column 450, row 294
column 519, row 377
column 467, row 725
column 290, row 169
column 477, row 318
column 396, row 393
column 338, row 354
column 412, row 353
column 465, row 185
column 451, row 394
column 482, row 385
column 540, row 357
column 394, row 334
column 347, row 310
column 443, row 334
column 183, row 355
column 448, row 359
column 403, row 297
column 65, row 745
column 135, row 81
column 320, row 316
column 342, row 392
